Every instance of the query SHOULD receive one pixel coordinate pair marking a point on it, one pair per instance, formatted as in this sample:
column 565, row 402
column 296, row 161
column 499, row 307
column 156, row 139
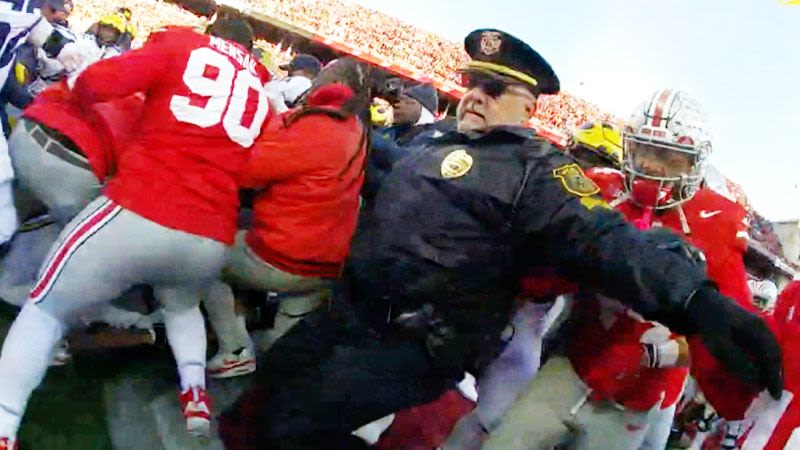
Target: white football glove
column 49, row 68
column 76, row 56
column 37, row 86
column 276, row 102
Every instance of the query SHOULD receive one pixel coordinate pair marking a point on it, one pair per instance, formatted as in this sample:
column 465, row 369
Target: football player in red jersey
column 56, row 139
column 771, row 424
column 167, row 216
column 777, row 422
column 622, row 376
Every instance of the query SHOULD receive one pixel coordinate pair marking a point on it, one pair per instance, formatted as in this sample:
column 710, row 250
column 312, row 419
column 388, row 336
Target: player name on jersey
column 245, row 59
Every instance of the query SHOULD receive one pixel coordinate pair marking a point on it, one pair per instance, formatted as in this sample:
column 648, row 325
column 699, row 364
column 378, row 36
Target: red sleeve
column 788, row 300
column 740, row 290
column 117, row 121
column 263, row 73
column 730, row 273
column 733, row 283
column 742, row 226
column 725, row 393
column 121, row 76
column 284, row 152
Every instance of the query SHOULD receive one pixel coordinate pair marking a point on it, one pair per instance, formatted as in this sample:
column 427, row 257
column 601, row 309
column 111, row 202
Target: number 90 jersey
column 204, row 107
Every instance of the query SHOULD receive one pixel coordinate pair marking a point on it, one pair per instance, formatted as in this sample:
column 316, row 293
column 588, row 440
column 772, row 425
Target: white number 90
column 229, row 88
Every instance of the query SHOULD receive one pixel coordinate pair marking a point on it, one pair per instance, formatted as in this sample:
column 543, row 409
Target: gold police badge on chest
column 456, row 164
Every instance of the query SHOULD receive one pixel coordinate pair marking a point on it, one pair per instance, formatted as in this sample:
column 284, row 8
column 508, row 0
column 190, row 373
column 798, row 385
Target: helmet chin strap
column 648, row 199
column 684, row 222
column 650, row 193
column 619, row 200
column 645, row 221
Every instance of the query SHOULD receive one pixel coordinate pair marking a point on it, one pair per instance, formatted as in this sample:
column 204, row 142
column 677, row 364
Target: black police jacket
column 456, row 224
column 386, row 149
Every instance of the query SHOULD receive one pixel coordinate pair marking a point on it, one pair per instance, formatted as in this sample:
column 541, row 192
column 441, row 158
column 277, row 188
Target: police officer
column 436, row 259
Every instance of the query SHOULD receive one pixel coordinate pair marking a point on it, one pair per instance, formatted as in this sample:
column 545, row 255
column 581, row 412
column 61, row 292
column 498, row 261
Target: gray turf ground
column 121, row 399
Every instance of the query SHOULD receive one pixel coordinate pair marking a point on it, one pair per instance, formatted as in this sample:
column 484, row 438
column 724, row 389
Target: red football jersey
column 204, row 106
column 606, row 350
column 777, row 423
column 99, row 132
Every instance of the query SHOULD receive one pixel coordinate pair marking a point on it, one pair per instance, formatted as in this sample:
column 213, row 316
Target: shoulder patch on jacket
column 575, row 181
column 590, row 202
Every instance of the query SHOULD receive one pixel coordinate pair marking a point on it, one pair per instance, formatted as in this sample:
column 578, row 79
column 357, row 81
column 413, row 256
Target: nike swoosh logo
column 707, row 215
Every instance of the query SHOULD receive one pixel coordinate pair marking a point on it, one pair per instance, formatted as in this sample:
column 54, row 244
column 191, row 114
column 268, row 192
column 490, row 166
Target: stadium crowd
column 149, row 16
column 405, row 45
column 303, row 208
column 371, row 32
column 360, row 28
column 565, row 113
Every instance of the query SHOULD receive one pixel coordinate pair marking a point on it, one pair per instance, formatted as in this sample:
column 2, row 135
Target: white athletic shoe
column 232, row 364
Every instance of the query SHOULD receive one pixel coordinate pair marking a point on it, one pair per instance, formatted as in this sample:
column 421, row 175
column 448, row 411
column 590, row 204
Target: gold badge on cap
column 491, row 42
column 456, row 164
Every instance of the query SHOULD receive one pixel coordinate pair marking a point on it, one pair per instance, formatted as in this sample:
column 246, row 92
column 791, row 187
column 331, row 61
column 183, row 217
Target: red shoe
column 196, row 408
column 8, row 444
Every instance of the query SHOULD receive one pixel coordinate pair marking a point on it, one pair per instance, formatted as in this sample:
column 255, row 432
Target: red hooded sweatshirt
column 310, row 171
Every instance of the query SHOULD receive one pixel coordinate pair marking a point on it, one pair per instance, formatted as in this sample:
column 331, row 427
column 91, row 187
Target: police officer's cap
column 501, row 53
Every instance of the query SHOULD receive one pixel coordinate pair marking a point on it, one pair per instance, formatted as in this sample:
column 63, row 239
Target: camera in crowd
column 391, row 90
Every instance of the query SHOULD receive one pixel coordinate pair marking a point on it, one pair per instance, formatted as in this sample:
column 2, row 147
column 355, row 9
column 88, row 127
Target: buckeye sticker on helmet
column 575, row 181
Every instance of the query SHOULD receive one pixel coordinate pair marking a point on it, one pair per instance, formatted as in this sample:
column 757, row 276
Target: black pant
column 329, row 376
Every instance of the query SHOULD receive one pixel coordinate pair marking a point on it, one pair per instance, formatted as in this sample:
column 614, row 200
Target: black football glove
column 738, row 338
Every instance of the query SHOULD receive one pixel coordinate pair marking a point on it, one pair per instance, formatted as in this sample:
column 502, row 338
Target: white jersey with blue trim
column 20, row 21
column 18, row 18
